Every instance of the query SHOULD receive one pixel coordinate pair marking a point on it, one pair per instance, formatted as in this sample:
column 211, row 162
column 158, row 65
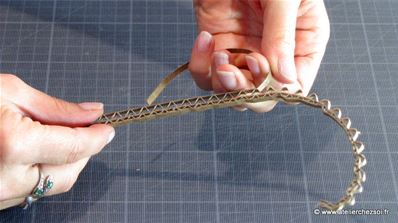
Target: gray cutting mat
column 215, row 166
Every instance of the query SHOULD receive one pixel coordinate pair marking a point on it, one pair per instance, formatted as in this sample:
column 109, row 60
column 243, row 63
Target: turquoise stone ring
column 43, row 186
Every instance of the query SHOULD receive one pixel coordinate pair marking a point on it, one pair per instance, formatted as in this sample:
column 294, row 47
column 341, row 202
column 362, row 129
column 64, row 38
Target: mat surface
column 215, row 166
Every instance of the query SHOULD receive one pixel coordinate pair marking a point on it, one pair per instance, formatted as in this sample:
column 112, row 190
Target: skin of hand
column 288, row 37
column 39, row 131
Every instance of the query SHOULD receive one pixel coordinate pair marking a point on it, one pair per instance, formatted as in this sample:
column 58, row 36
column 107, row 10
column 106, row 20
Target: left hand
column 42, row 133
column 288, row 38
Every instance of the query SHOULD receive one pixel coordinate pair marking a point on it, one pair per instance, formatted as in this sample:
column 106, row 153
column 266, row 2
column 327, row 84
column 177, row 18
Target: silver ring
column 42, row 187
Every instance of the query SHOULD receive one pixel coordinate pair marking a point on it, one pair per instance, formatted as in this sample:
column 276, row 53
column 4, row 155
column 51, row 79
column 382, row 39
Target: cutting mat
column 214, row 166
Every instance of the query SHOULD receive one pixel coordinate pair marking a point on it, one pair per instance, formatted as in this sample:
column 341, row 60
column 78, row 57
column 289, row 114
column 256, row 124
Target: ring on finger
column 42, row 187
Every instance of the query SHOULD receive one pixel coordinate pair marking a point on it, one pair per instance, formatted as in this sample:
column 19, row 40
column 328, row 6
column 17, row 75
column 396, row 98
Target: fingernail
column 91, row 106
column 227, row 79
column 287, row 70
column 111, row 136
column 240, row 108
column 253, row 65
column 220, row 58
column 204, row 41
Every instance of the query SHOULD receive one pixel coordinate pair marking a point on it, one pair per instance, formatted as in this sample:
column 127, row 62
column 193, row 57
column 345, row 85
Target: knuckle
column 59, row 105
column 75, row 151
column 10, row 146
column 281, row 43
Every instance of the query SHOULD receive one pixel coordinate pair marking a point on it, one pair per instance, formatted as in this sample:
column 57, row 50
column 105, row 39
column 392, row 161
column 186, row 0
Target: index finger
column 201, row 59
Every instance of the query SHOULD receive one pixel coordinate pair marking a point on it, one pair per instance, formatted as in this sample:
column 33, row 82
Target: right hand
column 288, row 39
column 39, row 131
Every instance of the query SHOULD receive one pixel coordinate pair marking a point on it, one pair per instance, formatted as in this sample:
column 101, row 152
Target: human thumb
column 278, row 42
